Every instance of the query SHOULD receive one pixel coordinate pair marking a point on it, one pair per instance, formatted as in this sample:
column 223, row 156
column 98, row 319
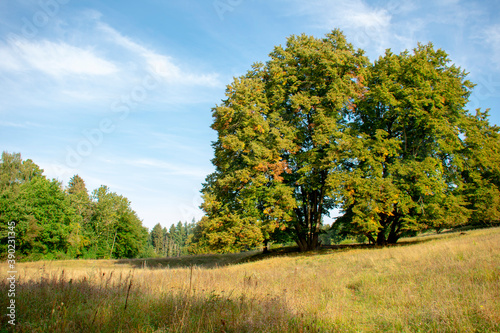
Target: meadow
column 438, row 283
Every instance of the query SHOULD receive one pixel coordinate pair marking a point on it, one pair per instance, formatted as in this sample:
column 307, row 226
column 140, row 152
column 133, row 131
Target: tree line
column 53, row 222
column 56, row 222
column 389, row 143
column 171, row 242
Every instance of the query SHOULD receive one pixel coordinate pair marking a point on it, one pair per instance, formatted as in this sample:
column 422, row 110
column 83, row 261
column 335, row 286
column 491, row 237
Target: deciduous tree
column 275, row 130
column 402, row 172
column 390, row 143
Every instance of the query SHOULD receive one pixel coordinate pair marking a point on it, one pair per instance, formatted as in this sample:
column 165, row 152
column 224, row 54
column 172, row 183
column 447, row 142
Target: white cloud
column 57, row 170
column 25, row 124
column 63, row 173
column 91, row 62
column 492, row 38
column 159, row 64
column 344, row 14
column 167, row 140
column 365, row 25
column 394, row 24
column 9, row 61
column 447, row 2
column 54, row 58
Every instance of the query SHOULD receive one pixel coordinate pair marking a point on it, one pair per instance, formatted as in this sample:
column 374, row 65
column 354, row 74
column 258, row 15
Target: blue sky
column 121, row 92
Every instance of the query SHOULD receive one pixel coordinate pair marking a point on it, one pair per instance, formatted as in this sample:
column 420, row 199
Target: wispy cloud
column 354, row 14
column 181, row 143
column 399, row 25
column 9, row 60
column 56, row 170
column 93, row 63
column 364, row 23
column 159, row 64
column 56, row 59
column 492, row 38
column 63, row 173
column 25, row 124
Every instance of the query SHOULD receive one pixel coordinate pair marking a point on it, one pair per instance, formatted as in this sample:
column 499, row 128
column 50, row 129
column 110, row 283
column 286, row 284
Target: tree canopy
column 391, row 144
column 53, row 222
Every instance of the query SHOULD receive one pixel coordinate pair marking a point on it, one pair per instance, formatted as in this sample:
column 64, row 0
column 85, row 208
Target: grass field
column 440, row 283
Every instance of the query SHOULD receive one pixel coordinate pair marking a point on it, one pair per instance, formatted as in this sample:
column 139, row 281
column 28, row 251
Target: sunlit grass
column 446, row 283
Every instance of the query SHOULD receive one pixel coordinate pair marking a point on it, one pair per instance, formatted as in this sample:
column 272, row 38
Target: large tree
column 275, row 132
column 406, row 151
column 316, row 127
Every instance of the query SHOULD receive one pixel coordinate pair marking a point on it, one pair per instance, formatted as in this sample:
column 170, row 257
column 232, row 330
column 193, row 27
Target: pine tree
column 158, row 239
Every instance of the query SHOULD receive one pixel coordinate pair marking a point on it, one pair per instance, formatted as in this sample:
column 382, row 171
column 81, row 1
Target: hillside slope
column 449, row 283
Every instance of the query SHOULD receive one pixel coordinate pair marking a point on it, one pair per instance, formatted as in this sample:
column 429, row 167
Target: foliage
column 44, row 218
column 275, row 131
column 413, row 142
column 317, row 127
column 401, row 173
column 52, row 222
column 174, row 242
column 482, row 172
column 15, row 171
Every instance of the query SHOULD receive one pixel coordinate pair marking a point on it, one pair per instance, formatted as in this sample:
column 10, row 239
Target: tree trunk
column 393, row 238
column 309, row 220
column 266, row 246
column 309, row 242
column 394, row 233
column 302, row 243
column 381, row 238
column 370, row 238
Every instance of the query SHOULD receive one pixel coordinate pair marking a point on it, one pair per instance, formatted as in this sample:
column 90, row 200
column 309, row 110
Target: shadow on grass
column 202, row 261
column 329, row 249
column 107, row 304
column 220, row 260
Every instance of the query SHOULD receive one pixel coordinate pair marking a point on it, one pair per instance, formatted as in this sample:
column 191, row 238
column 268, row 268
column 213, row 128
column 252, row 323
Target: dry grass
column 449, row 283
